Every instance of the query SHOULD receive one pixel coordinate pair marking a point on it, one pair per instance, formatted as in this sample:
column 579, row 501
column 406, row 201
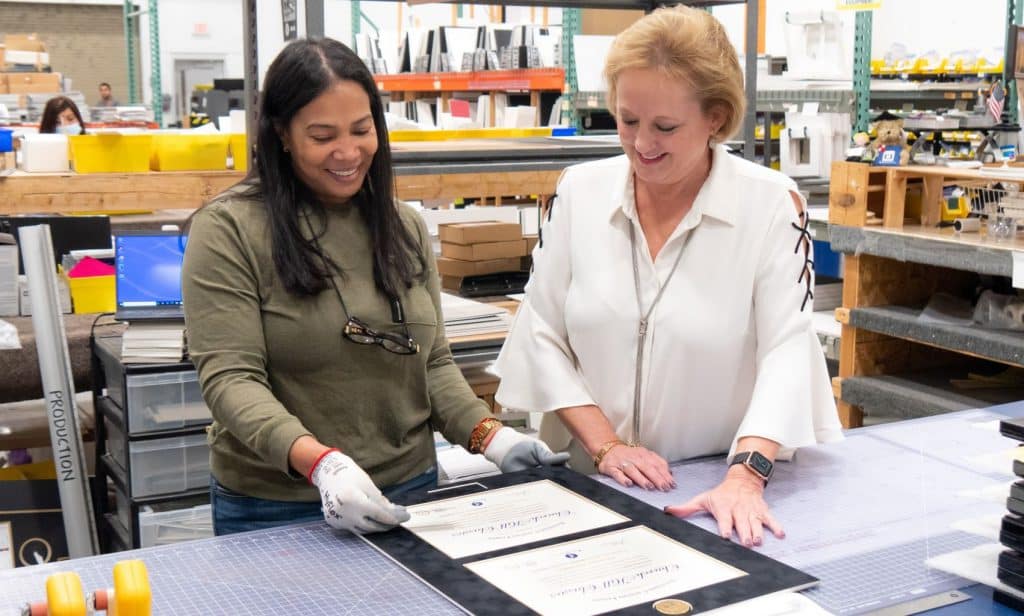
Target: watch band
column 745, row 458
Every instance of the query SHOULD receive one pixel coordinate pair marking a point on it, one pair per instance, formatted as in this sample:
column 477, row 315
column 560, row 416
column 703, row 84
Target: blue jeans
column 236, row 513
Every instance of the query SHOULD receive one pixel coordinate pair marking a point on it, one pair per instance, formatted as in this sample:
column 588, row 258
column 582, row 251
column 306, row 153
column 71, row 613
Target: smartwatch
column 757, row 463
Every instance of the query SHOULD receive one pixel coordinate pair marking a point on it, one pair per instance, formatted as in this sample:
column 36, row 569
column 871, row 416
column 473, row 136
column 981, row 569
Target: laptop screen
column 149, row 270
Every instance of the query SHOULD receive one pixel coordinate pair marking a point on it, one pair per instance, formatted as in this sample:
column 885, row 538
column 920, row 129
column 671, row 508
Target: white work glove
column 515, row 451
column 350, row 500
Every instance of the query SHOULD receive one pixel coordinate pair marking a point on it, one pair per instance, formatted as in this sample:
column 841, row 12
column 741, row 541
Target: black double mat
column 477, row 596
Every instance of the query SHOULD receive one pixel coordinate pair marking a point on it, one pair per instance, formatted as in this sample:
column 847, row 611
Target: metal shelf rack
column 570, row 16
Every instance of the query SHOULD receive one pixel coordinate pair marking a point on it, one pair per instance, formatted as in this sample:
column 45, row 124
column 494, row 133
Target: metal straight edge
column 59, row 391
column 923, row 604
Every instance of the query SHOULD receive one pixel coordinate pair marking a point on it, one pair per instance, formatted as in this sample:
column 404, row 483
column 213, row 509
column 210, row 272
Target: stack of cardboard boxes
column 25, row 66
column 479, row 248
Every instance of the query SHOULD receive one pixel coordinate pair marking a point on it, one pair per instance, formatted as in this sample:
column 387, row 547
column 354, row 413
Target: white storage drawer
column 164, row 401
column 169, row 465
column 175, row 526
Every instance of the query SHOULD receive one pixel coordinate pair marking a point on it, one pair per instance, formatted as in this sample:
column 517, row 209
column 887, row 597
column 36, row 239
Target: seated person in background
column 106, row 97
column 313, row 308
column 668, row 315
column 61, row 116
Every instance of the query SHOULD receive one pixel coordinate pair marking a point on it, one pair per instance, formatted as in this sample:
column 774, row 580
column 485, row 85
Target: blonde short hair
column 689, row 45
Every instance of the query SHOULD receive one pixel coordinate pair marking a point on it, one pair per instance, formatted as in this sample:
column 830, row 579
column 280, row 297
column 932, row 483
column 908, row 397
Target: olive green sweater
column 274, row 366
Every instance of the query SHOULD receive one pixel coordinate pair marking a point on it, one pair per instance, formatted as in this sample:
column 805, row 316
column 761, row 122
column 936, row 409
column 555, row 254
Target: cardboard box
column 455, row 267
column 33, row 83
column 451, row 283
column 15, row 57
column 24, row 42
column 479, row 232
column 531, row 242
column 3, row 81
column 3, row 51
column 484, row 251
column 25, row 49
column 32, row 529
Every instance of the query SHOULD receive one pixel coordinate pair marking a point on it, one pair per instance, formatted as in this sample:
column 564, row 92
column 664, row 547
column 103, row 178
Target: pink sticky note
column 89, row 266
column 459, row 108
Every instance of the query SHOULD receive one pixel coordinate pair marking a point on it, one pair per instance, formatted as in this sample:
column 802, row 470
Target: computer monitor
column 67, row 232
column 148, row 275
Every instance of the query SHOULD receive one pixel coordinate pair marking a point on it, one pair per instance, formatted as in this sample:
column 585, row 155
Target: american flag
column 996, row 99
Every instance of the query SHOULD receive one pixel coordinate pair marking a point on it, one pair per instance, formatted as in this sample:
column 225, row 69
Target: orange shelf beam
column 477, row 81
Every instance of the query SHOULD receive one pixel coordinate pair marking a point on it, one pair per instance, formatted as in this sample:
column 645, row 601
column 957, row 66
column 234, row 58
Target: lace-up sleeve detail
column 804, row 242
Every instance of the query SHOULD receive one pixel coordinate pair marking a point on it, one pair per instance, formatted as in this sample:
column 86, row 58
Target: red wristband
column 309, row 477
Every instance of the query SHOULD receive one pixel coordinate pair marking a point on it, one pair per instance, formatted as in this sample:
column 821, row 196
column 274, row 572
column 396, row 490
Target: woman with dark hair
column 312, row 304
column 61, row 115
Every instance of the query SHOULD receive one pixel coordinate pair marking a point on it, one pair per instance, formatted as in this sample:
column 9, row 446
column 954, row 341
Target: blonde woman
column 669, row 313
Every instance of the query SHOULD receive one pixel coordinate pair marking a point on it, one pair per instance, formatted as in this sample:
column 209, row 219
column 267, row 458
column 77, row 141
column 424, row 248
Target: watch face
column 761, row 464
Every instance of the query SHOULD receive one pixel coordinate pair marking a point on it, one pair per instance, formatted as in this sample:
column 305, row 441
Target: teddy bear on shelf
column 890, row 133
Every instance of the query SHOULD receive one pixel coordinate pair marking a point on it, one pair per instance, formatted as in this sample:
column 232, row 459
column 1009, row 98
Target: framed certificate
column 551, row 541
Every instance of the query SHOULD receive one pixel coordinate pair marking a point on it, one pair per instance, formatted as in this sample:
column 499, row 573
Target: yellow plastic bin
column 111, row 153
column 239, row 152
column 93, row 294
column 189, row 152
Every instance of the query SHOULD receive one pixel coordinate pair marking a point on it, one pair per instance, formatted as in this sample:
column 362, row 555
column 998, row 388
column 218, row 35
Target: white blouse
column 730, row 348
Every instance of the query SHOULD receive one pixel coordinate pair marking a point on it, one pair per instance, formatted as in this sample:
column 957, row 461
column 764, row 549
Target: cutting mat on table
column 307, row 569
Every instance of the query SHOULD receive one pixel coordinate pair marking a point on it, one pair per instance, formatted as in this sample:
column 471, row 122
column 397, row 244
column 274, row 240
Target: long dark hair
column 304, row 70
column 51, row 114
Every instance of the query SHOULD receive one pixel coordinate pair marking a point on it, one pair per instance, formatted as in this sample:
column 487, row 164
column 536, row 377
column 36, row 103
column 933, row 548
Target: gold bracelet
column 481, row 432
column 603, row 450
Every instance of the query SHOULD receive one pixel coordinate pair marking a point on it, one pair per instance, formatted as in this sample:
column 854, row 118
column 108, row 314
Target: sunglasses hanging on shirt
column 357, row 331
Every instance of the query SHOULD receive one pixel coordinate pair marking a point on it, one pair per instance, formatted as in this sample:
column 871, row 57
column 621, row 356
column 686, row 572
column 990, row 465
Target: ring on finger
column 625, row 465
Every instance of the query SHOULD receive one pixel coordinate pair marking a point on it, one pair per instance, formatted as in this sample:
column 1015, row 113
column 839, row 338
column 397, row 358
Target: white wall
column 922, row 25
column 181, row 19
column 180, row 24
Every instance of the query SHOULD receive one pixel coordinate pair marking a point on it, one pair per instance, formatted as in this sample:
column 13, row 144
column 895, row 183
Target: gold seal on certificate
column 672, row 606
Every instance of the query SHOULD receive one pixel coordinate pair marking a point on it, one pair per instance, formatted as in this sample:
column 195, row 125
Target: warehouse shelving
column 892, row 360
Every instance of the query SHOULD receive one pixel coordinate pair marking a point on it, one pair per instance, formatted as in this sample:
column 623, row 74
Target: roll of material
column 967, row 225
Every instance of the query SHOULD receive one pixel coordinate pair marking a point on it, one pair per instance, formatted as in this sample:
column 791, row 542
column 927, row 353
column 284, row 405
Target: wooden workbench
column 111, row 192
column 423, row 170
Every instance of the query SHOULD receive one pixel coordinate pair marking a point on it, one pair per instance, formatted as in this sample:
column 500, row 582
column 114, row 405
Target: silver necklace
column 644, row 320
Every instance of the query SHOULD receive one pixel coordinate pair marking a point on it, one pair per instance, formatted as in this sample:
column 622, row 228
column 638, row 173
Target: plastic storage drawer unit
column 164, row 401
column 169, row 465
column 164, row 527
column 117, row 443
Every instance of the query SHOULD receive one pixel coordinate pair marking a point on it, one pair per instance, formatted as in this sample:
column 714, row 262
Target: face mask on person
column 70, row 129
